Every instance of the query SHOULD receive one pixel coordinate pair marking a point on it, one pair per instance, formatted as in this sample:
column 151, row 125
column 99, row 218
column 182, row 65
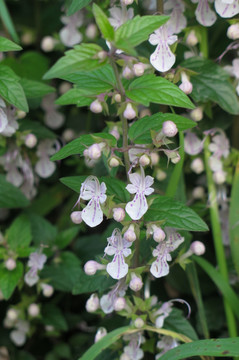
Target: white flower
column 53, row 118
column 162, row 58
column 165, row 344
column 140, row 186
column 44, row 167
column 177, row 21
column 8, row 123
column 69, row 35
column 119, row 17
column 92, row 190
column 204, row 15
column 220, row 145
column 36, row 262
column 18, row 336
column 227, row 8
column 192, row 144
column 119, row 247
column 160, row 266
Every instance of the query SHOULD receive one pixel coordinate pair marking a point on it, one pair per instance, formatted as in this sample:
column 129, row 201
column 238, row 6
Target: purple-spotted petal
column 226, row 9
column 131, row 189
column 204, row 15
column 117, row 269
column 92, row 214
column 192, row 144
column 138, row 207
column 159, row 267
column 162, row 58
column 45, row 168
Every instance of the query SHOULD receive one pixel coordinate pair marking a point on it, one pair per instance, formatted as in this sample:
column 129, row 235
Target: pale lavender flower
column 220, row 145
column 140, row 186
column 119, row 247
column 12, row 163
column 119, row 16
column 162, row 313
column 165, row 344
column 107, row 301
column 204, row 14
column 92, row 190
column 8, row 123
column 36, row 262
column 160, row 266
column 192, row 144
column 18, row 336
column 28, row 186
column 132, row 350
column 177, row 21
column 44, row 167
column 70, row 35
column 227, row 8
column 162, row 58
column 53, row 118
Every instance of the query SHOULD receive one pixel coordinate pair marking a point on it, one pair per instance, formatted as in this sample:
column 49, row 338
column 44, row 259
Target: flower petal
column 162, row 58
column 159, row 267
column 117, row 268
column 45, row 168
column 227, row 10
column 3, row 120
column 92, row 214
column 138, row 207
column 204, row 15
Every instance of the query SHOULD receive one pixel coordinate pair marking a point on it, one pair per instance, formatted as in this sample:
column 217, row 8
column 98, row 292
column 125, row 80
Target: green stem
column 217, row 236
column 7, row 21
column 196, row 291
column 204, row 41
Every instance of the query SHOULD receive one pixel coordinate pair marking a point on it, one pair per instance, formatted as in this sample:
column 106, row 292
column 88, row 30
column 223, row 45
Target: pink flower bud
column 197, row 165
column 138, row 323
column 169, row 128
column 192, row 39
column 233, row 31
column 117, row 98
column 102, row 55
column 129, row 112
column 114, row 162
column 145, row 112
column 176, row 158
column 33, row 310
column 94, row 152
column 76, row 217
column 101, row 332
column 119, row 304
column 118, row 214
column 161, row 175
column 20, row 114
column 64, row 87
column 115, row 132
column 186, row 86
column 91, row 31
column 135, row 283
column 68, row 135
column 130, row 235
column 138, row 69
column 47, row 290
column 92, row 303
column 96, row 107
column 144, row 160
column 10, row 264
column 219, row 177
column 92, row 266
column 30, row 141
column 154, row 158
column 12, row 315
column 198, row 192
column 158, row 234
column 197, row 114
column 198, row 248
column 127, row 73
column 47, row 43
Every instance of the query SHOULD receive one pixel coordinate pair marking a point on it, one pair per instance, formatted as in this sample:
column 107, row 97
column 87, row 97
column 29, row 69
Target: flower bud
column 76, row 217
column 64, row 87
column 118, row 214
column 33, row 310
column 115, row 132
column 92, row 266
column 198, row 192
column 92, row 303
column 138, row 323
column 129, row 112
column 96, row 107
column 138, row 69
column 154, row 157
column 68, row 135
column 144, row 160
column 94, row 152
column 135, row 283
column 127, row 2
column 145, row 112
column 198, row 248
column 47, row 290
column 169, row 128
column 101, row 332
column 197, row 114
column 114, row 162
column 47, row 43
column 233, row 31
column 160, row 175
column 192, row 39
column 127, row 73
column 158, row 234
column 10, row 264
column 197, row 165
column 186, row 85
column 12, row 315
column 27, row 38
column 130, row 235
column 175, row 157
column 30, row 141
column 215, row 163
column 20, row 114
column 117, row 98
column 219, row 177
column 119, row 304
column 102, row 55
column 91, row 31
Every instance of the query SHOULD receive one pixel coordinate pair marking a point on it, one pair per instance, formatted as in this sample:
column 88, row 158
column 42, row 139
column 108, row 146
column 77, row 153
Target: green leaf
column 74, row 96
column 103, row 23
column 37, row 129
column 178, row 323
column 95, row 82
column 135, row 31
column 82, row 58
column 140, row 131
column 10, row 279
column 7, row 21
column 64, row 273
column 219, row 281
column 43, row 232
column 19, row 233
column 35, row 89
column 212, row 84
column 175, row 214
column 10, row 88
column 8, row 45
column 77, row 146
column 212, row 347
column 155, row 89
column 233, row 219
column 52, row 315
column 77, row 5
column 65, row 237
column 10, row 196
column 89, row 284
